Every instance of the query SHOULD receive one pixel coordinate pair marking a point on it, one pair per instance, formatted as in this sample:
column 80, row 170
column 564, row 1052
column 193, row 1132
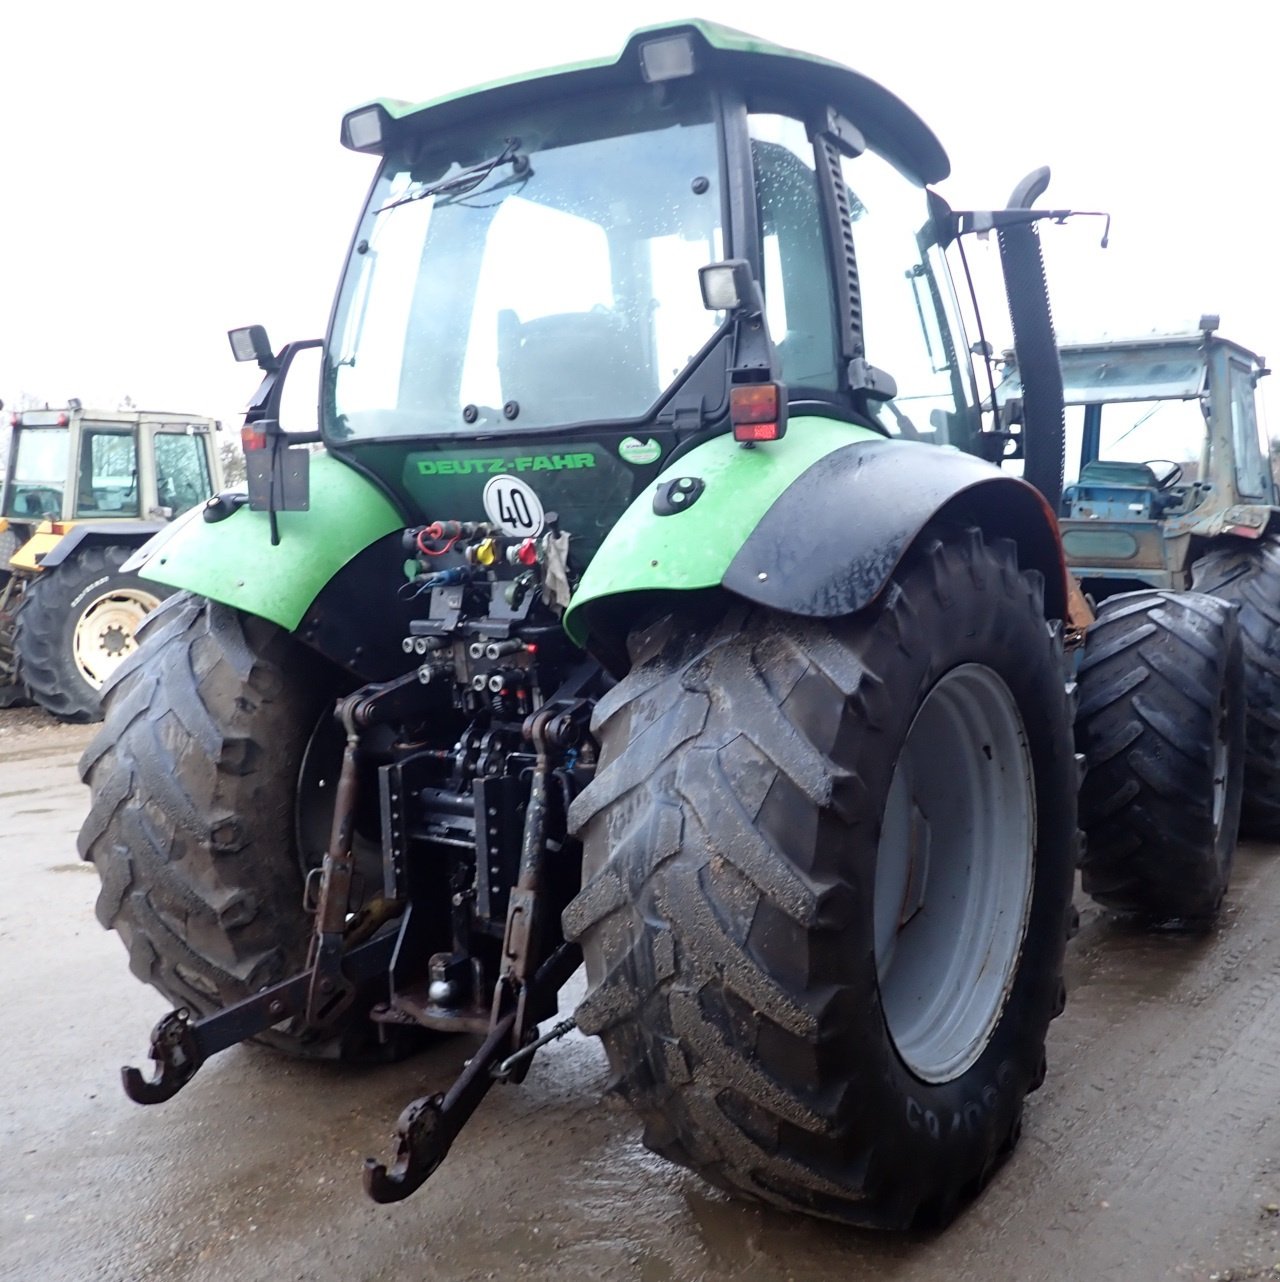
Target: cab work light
column 726, row 287
column 363, row 129
column 249, row 343
column 671, row 58
column 758, row 412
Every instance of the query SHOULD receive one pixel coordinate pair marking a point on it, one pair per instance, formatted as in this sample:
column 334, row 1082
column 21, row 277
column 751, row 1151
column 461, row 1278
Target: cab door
column 108, row 484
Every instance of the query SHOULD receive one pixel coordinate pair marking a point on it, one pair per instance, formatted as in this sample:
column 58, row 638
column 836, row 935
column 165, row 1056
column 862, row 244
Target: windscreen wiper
column 467, row 180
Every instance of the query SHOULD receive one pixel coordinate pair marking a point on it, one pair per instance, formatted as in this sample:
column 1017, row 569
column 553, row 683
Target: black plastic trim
column 830, row 542
column 97, row 533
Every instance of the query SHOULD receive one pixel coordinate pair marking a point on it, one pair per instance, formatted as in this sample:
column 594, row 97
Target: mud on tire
column 1248, row 575
column 191, row 827
column 1161, row 725
column 728, row 915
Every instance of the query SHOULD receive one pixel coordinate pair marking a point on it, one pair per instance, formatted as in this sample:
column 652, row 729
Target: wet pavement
column 1153, row 1150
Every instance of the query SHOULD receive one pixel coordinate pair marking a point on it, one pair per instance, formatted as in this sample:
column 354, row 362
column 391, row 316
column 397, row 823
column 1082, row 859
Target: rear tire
column 1247, row 574
column 76, row 624
column 1161, row 727
column 757, row 819
column 191, row 828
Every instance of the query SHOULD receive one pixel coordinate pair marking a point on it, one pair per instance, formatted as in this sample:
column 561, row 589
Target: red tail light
column 252, row 439
column 758, row 412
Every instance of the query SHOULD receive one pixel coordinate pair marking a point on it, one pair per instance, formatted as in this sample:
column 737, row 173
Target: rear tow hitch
column 427, row 1127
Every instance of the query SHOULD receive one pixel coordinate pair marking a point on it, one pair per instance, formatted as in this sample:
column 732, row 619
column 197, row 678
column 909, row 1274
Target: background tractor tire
column 76, row 624
column 1161, row 725
column 1248, row 575
column 194, row 776
column 820, row 951
column 13, row 690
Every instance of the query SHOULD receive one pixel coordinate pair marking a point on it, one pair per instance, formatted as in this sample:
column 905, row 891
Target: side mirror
column 277, row 475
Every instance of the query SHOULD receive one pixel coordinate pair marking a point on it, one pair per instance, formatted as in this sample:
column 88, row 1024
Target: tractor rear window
column 535, row 272
column 39, row 473
column 1167, row 434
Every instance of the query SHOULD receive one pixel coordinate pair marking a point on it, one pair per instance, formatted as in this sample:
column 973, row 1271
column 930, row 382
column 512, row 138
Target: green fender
column 232, row 560
column 694, row 548
column 812, row 525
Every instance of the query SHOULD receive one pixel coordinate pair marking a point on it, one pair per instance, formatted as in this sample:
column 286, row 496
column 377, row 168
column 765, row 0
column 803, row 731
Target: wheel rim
column 105, row 633
column 954, row 872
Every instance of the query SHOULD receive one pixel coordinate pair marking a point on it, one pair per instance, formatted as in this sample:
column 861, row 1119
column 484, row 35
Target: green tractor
column 652, row 603
column 83, row 489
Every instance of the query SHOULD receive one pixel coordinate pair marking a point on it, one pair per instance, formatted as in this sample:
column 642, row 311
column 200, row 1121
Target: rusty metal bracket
column 427, row 1127
column 330, row 992
column 180, row 1044
column 558, row 725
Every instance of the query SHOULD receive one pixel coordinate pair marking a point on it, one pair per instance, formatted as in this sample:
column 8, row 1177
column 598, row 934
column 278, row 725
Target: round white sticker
column 513, row 506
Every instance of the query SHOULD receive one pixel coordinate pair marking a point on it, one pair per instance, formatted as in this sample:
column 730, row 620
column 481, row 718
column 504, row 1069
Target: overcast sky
column 172, row 170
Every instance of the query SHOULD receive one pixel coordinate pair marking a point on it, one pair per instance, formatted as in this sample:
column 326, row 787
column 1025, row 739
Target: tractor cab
column 82, row 490
column 540, row 285
column 75, row 465
column 1163, row 451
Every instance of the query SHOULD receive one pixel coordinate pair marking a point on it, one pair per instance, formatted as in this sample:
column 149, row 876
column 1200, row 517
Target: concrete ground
column 1152, row 1152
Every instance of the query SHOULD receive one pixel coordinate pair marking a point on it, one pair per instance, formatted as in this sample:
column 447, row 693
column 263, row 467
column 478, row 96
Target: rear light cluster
column 758, row 412
column 252, row 439
column 63, row 420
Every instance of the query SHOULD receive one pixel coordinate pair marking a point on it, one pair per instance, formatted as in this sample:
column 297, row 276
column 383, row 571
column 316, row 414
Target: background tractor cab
column 82, row 489
column 1164, row 455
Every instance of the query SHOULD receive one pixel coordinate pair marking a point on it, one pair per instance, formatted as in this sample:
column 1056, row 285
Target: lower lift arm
column 339, row 965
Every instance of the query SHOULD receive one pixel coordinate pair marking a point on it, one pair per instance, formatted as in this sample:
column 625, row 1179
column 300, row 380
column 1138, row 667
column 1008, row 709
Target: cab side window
column 799, row 301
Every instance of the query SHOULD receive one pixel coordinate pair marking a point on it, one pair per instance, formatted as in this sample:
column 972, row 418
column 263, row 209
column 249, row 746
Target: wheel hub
column 105, row 632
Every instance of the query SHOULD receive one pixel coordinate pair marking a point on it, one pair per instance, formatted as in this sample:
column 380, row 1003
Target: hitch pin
column 503, row 1071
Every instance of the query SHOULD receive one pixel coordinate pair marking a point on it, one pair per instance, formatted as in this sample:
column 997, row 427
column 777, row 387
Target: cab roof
column 891, row 128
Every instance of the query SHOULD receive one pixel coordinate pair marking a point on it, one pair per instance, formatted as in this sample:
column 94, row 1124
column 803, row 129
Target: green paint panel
column 232, row 560
column 692, row 549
